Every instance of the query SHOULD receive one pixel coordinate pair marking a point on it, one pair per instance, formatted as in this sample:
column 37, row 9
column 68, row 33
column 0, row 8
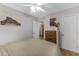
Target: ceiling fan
column 34, row 7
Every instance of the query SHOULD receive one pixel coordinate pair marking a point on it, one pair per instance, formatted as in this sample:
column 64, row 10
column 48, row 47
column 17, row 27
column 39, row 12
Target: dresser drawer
column 50, row 32
column 51, row 40
column 50, row 36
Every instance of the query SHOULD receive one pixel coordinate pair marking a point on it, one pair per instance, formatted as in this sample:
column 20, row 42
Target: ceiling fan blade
column 39, row 8
column 33, row 8
column 27, row 5
column 39, row 4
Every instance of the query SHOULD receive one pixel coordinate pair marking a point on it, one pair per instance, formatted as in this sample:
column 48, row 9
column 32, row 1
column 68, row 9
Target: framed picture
column 52, row 21
column 9, row 21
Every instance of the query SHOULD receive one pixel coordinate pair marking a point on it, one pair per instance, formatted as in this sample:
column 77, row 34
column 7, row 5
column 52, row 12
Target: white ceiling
column 49, row 8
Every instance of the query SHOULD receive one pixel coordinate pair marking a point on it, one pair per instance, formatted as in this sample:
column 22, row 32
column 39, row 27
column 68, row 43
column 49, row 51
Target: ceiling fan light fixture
column 38, row 8
column 33, row 9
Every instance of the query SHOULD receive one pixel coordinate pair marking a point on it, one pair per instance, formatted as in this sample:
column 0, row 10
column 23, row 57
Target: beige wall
column 13, row 33
column 58, row 15
column 69, row 12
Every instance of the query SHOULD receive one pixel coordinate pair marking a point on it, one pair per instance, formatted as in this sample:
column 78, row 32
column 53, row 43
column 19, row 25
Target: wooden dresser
column 50, row 36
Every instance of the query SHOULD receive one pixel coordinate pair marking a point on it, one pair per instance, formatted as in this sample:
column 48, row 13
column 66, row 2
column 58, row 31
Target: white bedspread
column 30, row 47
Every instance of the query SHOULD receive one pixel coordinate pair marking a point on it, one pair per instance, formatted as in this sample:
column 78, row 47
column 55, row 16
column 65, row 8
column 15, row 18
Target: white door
column 67, row 31
column 77, row 33
column 36, row 29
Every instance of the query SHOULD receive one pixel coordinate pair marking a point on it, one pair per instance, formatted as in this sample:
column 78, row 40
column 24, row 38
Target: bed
column 31, row 47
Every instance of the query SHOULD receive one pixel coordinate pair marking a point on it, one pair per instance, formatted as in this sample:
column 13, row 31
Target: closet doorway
column 38, row 30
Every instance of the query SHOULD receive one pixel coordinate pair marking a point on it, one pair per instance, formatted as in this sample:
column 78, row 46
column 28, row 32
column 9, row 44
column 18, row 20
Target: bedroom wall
column 12, row 33
column 68, row 12
column 71, row 11
column 58, row 15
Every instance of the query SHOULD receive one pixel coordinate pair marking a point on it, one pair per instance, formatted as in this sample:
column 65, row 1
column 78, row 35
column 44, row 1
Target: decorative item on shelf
column 54, row 22
column 9, row 21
